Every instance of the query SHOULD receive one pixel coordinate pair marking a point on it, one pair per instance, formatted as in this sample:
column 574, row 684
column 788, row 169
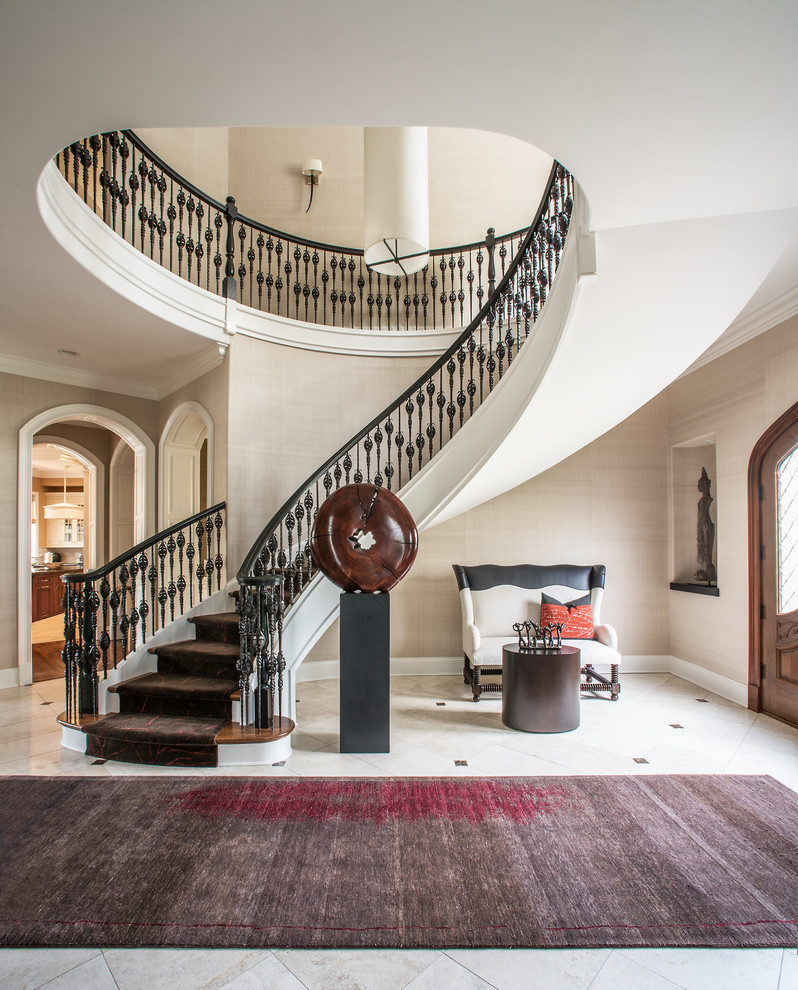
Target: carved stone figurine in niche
column 705, row 532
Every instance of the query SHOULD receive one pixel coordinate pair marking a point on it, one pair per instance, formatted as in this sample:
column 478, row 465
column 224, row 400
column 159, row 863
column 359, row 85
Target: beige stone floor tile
column 712, row 969
column 175, row 969
column 357, row 969
column 270, row 974
column 533, row 969
column 446, row 972
column 91, row 975
column 23, row 969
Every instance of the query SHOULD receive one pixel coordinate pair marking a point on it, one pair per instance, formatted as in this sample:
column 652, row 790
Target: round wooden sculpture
column 364, row 539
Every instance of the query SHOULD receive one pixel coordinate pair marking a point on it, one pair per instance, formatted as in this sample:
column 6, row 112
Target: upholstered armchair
column 494, row 596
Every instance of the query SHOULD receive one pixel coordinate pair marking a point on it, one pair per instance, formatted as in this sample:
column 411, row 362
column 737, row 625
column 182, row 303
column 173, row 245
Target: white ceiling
column 49, row 461
column 663, row 112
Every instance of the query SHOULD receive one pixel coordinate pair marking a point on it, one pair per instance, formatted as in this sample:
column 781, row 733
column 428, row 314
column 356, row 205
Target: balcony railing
column 211, row 245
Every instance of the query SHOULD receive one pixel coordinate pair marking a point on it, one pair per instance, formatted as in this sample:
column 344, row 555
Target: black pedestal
column 365, row 673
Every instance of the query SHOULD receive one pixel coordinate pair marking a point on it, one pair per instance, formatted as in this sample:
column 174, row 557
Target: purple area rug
column 398, row 862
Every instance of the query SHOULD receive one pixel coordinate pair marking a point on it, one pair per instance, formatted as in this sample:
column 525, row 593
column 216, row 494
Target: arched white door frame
column 144, row 499
column 94, row 497
column 172, row 424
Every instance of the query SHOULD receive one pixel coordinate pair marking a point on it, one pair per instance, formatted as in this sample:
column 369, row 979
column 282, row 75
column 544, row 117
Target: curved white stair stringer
column 452, row 468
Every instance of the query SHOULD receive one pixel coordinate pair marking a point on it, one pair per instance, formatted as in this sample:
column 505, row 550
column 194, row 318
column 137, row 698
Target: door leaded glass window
column 787, row 512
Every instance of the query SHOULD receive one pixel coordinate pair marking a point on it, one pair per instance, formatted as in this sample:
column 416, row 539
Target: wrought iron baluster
column 431, row 431
column 278, row 282
column 389, row 469
column 135, row 615
column 114, row 601
column 451, row 408
column 163, row 595
column 421, row 440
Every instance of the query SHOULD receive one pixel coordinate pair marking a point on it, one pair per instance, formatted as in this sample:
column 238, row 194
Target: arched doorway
column 185, row 464
column 773, row 559
column 144, row 499
column 95, row 487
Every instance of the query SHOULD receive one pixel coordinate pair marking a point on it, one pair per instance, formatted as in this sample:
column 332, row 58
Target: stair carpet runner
column 172, row 717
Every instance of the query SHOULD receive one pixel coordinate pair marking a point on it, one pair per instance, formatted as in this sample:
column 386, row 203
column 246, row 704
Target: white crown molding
column 745, row 328
column 207, row 360
column 28, row 368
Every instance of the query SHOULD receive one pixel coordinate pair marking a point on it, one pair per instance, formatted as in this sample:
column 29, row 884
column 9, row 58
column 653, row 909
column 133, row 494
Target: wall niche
column 695, row 531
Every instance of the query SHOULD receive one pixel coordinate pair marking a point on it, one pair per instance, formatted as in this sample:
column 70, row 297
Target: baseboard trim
column 716, row 683
column 9, row 678
column 322, row 670
column 725, row 687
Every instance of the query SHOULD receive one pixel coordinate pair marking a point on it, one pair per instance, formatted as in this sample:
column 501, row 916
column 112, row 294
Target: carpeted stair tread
column 198, row 658
column 160, row 740
column 168, row 729
column 177, row 685
column 200, row 647
column 218, row 627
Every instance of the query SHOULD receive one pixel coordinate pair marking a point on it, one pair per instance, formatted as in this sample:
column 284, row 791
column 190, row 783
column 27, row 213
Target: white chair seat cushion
column 489, row 652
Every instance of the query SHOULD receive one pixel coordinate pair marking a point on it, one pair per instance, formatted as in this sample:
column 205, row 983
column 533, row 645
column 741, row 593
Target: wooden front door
column 776, row 584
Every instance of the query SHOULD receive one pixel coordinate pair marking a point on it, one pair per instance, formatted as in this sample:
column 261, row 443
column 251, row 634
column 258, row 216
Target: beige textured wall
column 477, row 179
column 289, row 410
column 607, row 504
column 20, row 400
column 198, row 154
column 737, row 397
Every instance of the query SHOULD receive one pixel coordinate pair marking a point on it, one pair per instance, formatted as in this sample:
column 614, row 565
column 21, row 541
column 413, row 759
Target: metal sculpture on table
column 365, row 541
column 530, row 634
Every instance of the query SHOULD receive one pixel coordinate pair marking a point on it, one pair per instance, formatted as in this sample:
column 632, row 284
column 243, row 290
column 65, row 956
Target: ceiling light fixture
column 312, row 171
column 63, row 510
column 396, row 199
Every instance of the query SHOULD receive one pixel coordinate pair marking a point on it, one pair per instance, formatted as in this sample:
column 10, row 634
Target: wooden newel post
column 229, row 282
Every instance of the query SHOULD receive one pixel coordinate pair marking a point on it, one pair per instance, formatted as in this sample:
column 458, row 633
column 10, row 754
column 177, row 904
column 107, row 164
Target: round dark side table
column 540, row 689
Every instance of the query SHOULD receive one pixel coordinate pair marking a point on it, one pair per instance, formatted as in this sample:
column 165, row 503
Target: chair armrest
column 607, row 636
column 471, row 638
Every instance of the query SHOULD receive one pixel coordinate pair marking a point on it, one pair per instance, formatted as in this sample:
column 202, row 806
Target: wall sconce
column 312, row 170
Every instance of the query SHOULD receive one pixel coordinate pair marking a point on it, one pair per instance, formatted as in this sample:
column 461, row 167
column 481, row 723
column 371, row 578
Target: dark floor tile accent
column 704, row 701
column 640, row 759
column 47, row 702
column 281, row 763
column 675, row 725
column 441, row 704
column 96, row 763
column 461, row 763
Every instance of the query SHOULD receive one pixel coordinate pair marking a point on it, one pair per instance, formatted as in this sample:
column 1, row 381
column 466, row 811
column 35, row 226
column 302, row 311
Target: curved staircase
column 199, row 702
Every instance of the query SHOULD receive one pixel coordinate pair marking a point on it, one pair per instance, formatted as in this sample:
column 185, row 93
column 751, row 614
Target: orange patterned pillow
column 576, row 616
